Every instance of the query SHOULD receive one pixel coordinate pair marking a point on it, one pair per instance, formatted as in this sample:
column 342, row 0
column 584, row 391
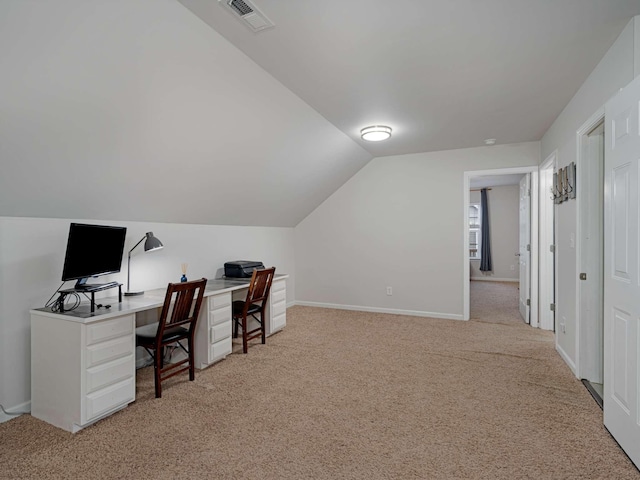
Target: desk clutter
column 61, row 305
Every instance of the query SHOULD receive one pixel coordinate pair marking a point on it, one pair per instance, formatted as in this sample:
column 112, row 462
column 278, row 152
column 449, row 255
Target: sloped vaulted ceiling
column 445, row 74
column 143, row 110
column 139, row 111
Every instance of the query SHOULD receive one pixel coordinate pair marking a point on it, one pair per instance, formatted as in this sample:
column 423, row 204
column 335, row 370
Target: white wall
column 398, row 222
column 636, row 47
column 32, row 253
column 137, row 110
column 504, row 225
column 615, row 70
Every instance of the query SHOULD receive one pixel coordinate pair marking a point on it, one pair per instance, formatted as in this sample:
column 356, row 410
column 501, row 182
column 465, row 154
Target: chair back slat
column 179, row 307
column 182, row 307
column 260, row 285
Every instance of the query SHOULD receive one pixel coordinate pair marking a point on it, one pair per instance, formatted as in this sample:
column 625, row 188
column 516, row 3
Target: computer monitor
column 92, row 250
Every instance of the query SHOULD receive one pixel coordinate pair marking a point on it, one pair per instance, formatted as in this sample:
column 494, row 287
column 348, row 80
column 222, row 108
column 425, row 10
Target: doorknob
column 517, row 254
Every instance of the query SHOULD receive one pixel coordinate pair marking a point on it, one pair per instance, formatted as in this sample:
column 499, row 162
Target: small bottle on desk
column 184, row 272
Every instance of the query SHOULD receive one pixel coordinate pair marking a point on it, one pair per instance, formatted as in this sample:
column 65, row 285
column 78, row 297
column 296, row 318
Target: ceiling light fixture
column 375, row 133
column 490, row 141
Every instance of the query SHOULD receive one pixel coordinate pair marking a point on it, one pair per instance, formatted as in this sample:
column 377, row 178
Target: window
column 474, row 230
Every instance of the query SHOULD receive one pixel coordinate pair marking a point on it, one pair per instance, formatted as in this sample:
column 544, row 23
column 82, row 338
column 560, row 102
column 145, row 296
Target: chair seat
column 238, row 306
column 147, row 333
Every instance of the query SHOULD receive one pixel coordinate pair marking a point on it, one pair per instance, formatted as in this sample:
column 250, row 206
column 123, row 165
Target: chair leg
column 263, row 328
column 235, row 327
column 192, row 363
column 157, row 370
column 245, row 346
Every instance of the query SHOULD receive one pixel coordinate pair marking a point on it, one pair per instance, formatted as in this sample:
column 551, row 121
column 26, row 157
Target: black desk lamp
column 151, row 244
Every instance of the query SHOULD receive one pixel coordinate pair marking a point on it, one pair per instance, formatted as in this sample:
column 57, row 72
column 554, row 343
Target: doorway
column 519, row 172
column 524, row 248
column 591, row 257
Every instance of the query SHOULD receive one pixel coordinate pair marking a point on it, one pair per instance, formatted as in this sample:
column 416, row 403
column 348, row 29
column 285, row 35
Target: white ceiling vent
column 248, row 14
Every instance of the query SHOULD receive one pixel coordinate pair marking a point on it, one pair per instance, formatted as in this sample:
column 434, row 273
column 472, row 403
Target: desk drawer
column 219, row 301
column 110, row 398
column 279, row 296
column 220, row 349
column 221, row 315
column 108, row 329
column 278, row 286
column 108, row 373
column 278, row 322
column 278, row 308
column 109, row 350
column 220, row 332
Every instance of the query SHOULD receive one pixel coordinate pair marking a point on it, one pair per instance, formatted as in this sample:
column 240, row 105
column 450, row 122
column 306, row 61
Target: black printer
column 241, row 268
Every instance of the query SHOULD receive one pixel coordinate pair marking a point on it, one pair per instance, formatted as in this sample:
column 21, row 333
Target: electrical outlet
column 389, row 291
column 513, row 267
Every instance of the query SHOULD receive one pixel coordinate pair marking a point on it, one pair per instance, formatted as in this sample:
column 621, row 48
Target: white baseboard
column 567, row 359
column 494, row 279
column 23, row 408
column 393, row 311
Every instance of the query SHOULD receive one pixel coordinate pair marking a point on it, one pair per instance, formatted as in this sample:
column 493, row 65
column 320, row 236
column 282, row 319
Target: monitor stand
column 82, row 285
column 88, row 289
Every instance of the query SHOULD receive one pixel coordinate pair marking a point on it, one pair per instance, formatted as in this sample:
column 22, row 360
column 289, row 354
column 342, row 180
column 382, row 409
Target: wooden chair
column 177, row 323
column 255, row 304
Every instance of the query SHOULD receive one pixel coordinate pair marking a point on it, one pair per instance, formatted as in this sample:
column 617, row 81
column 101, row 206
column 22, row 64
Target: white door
column 547, row 247
column 524, row 251
column 621, row 279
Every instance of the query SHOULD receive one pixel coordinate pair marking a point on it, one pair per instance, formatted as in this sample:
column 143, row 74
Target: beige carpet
column 349, row 395
column 495, row 302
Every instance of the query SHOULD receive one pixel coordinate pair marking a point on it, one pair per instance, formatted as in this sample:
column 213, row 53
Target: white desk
column 83, row 363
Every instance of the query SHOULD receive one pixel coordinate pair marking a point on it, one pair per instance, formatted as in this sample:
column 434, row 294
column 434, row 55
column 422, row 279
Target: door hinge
column 552, row 307
column 528, row 247
column 552, row 248
column 528, row 302
column 583, row 276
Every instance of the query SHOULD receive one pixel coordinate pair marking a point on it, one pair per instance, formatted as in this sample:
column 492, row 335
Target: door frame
column 466, row 181
column 583, row 261
column 524, row 247
column 547, row 284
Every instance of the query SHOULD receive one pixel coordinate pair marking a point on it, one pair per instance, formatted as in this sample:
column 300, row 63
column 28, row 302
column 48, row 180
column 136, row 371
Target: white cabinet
column 277, row 306
column 81, row 372
column 213, row 330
